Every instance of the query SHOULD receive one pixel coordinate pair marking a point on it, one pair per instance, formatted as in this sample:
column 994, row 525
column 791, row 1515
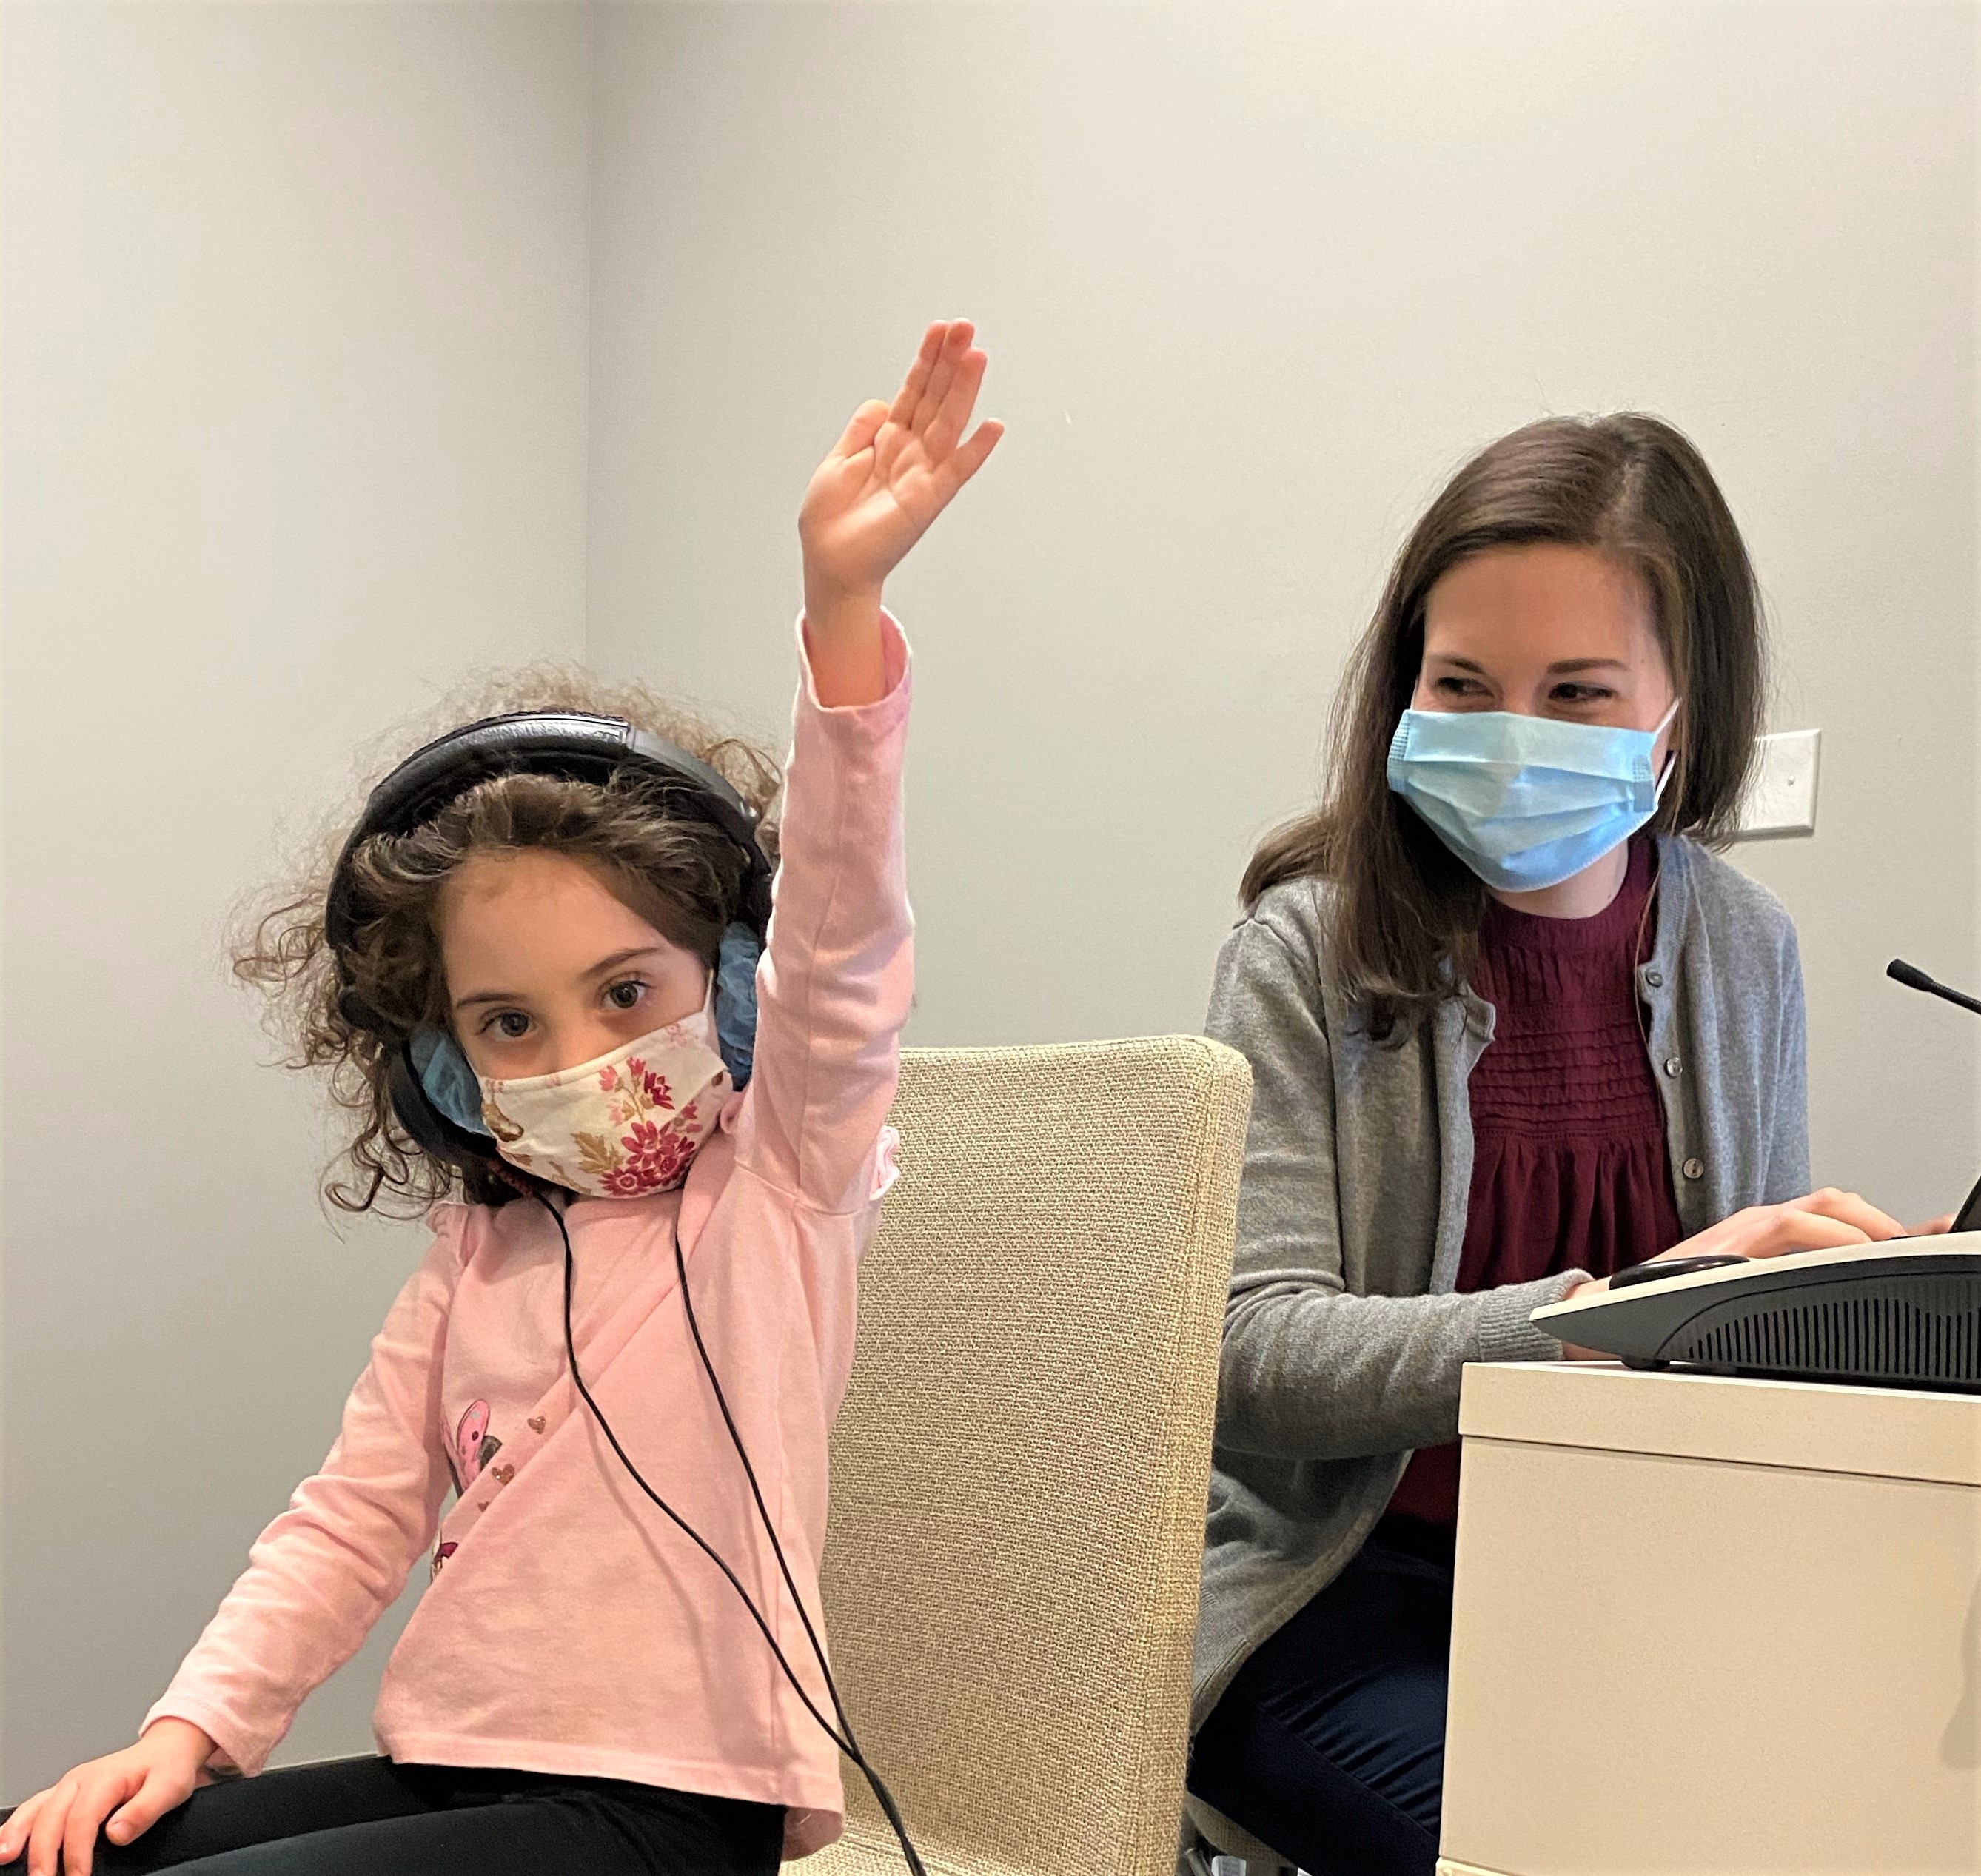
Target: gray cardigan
column 1344, row 1337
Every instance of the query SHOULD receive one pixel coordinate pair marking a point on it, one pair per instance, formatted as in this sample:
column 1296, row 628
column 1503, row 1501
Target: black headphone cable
column 844, row 1740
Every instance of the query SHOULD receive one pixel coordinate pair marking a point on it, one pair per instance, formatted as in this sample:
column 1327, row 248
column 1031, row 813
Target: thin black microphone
column 1914, row 978
column 1967, row 1218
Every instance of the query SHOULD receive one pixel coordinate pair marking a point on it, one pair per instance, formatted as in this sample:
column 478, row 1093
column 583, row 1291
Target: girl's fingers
column 153, row 1798
column 954, row 348
column 861, row 430
column 970, row 459
column 15, row 1834
column 958, row 402
column 917, row 381
column 888, row 447
column 905, row 455
column 86, row 1813
column 45, row 1841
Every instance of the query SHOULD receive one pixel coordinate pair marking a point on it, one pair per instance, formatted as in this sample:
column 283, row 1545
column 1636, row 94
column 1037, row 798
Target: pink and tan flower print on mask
column 627, row 1124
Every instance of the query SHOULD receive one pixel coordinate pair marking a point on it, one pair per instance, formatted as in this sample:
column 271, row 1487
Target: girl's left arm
column 324, row 1570
column 837, row 975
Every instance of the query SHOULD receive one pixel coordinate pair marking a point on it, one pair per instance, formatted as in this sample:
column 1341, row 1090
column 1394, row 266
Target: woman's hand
column 1822, row 1220
column 893, row 471
column 140, row 1785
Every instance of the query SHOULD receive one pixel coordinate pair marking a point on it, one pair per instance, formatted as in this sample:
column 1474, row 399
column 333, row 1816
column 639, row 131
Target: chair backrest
column 1020, row 1466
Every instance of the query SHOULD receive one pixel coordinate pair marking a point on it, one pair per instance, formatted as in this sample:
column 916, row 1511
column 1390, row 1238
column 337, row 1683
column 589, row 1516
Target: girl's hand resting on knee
column 138, row 1785
column 1822, row 1220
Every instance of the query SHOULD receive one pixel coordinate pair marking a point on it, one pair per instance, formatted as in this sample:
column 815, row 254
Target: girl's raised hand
column 895, row 469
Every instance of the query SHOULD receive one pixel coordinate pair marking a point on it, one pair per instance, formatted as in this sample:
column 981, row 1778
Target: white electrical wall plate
column 1781, row 799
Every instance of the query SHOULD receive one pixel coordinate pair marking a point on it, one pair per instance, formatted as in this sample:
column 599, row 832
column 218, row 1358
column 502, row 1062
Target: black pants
column 370, row 1817
column 1329, row 1743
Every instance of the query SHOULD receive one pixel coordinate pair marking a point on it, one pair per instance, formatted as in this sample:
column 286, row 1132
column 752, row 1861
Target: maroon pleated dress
column 1569, row 1169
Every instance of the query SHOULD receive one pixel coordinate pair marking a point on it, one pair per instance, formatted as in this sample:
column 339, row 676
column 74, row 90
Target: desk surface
column 1880, row 1432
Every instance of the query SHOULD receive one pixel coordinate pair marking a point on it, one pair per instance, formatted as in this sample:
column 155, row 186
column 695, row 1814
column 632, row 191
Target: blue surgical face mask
column 1525, row 802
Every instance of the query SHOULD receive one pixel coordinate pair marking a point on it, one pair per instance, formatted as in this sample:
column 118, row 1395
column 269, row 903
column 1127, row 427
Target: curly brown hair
column 681, row 875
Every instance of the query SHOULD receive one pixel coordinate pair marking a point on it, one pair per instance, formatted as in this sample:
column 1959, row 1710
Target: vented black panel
column 1922, row 1329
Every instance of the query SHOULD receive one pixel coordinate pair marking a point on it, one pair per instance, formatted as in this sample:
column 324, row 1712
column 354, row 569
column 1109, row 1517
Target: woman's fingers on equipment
column 1792, row 1229
column 1829, row 1202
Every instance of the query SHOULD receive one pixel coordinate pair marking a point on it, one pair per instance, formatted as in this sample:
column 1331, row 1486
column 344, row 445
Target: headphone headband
column 565, row 743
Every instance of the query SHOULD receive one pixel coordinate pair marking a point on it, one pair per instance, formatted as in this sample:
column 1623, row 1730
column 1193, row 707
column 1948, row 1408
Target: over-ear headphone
column 571, row 744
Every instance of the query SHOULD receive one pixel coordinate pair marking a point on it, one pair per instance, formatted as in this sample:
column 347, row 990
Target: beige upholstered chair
column 1021, row 1467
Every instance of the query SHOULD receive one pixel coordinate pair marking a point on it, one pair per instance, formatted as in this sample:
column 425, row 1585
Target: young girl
column 579, row 1688
column 1512, row 1027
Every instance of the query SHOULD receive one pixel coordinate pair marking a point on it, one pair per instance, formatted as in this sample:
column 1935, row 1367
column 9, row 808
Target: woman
column 1513, row 1027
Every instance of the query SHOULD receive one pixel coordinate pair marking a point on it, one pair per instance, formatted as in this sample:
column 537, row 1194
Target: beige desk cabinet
column 1711, row 1625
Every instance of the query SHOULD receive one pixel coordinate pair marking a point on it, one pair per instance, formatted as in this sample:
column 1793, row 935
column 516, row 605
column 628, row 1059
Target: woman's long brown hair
column 1404, row 913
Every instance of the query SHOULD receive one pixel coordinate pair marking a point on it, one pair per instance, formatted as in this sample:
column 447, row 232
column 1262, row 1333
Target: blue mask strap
column 450, row 1083
column 736, row 1001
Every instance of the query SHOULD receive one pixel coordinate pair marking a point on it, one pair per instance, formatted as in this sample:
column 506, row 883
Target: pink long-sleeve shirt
column 569, row 1627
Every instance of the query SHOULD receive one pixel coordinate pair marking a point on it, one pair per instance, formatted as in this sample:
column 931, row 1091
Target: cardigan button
column 1694, row 1169
column 1655, row 978
column 1673, row 1066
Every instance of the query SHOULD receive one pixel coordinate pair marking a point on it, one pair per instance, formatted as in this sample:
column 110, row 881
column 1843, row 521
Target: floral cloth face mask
column 620, row 1127
column 630, row 1122
column 624, row 1125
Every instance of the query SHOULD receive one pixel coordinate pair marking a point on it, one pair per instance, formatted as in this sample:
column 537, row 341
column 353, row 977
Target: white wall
column 332, row 334
column 294, row 428
column 1253, row 281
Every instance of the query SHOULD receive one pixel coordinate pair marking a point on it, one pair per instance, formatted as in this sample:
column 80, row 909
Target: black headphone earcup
column 428, row 1129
